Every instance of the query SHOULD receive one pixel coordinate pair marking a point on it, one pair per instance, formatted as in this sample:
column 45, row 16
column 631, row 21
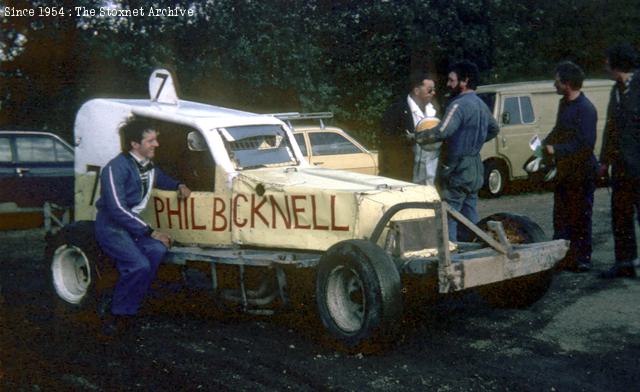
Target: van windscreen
column 489, row 99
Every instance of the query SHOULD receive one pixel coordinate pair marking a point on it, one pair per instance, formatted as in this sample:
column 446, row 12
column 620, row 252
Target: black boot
column 620, row 270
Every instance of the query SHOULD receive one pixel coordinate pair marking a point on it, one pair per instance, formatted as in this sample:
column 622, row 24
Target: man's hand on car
column 162, row 237
column 183, row 192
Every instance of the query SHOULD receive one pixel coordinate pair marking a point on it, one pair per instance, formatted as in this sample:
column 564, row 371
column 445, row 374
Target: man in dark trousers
column 466, row 126
column 621, row 152
column 137, row 250
column 398, row 151
column 571, row 143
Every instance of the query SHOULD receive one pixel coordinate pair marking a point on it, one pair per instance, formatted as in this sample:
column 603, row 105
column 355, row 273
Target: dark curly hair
column 465, row 69
column 133, row 130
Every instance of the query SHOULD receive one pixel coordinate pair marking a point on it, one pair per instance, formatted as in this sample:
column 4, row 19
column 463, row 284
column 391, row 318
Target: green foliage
column 352, row 58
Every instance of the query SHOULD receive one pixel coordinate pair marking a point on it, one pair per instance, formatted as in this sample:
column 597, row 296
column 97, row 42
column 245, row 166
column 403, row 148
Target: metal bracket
column 498, row 228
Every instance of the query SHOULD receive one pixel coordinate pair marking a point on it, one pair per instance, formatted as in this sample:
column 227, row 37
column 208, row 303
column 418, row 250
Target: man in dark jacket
column 621, row 152
column 137, row 250
column 399, row 155
column 571, row 143
column 466, row 126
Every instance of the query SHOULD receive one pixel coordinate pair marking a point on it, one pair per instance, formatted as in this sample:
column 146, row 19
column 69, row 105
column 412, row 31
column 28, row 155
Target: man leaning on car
column 136, row 248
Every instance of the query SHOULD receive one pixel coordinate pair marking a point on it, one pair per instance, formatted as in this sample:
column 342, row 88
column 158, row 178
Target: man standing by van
column 621, row 151
column 571, row 143
column 399, row 153
column 466, row 126
column 137, row 249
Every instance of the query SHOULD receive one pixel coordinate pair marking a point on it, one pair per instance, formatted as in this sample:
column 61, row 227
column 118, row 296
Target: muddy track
column 584, row 335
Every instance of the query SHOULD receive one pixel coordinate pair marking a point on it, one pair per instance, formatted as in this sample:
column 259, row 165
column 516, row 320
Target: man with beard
column 621, row 151
column 571, row 143
column 466, row 126
column 398, row 125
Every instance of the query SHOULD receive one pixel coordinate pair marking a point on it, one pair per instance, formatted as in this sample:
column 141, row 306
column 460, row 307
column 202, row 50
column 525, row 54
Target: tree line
column 349, row 57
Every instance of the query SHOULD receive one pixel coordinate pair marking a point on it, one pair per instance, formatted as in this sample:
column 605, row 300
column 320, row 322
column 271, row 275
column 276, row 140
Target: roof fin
column 162, row 88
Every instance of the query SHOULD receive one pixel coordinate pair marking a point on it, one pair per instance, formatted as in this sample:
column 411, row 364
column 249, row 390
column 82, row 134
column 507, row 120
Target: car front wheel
column 358, row 293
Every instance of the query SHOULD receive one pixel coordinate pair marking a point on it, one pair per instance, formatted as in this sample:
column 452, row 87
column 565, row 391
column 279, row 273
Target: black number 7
column 95, row 169
column 164, row 78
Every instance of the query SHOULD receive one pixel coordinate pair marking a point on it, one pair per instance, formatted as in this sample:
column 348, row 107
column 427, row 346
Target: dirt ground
column 584, row 335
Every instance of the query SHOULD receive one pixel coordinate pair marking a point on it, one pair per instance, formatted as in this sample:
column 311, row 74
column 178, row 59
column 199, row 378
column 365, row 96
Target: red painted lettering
column 333, row 216
column 235, row 211
column 316, row 226
column 296, row 210
column 219, row 207
column 186, row 214
column 158, row 207
column 285, row 217
column 171, row 213
column 255, row 210
column 193, row 218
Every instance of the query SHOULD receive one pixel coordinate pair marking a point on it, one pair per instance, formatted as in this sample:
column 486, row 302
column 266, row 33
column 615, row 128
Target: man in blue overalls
column 466, row 126
column 136, row 248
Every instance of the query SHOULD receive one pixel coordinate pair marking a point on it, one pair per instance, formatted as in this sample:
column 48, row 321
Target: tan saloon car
column 330, row 147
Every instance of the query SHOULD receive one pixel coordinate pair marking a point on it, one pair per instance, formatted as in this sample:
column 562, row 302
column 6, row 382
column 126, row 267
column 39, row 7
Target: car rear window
column 63, row 154
column 329, row 143
column 5, row 149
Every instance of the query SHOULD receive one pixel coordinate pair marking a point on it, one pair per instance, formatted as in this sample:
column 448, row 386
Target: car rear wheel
column 358, row 293
column 79, row 271
column 525, row 290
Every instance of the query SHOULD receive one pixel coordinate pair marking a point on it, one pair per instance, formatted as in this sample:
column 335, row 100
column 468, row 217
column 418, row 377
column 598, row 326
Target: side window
column 517, row 110
column 300, row 140
column 62, row 152
column 5, row 149
column 195, row 168
column 329, row 143
column 511, row 111
column 35, row 149
column 527, row 110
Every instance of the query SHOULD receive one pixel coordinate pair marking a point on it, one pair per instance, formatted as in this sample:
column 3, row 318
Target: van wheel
column 358, row 293
column 78, row 268
column 495, row 178
column 525, row 290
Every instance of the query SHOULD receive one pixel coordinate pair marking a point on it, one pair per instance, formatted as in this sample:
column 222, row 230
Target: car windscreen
column 255, row 146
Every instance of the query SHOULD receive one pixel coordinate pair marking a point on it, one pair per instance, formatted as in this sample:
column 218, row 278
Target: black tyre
column 358, row 293
column 77, row 267
column 525, row 290
column 496, row 178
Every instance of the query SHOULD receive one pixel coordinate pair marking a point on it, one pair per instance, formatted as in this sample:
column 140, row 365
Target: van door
column 517, row 126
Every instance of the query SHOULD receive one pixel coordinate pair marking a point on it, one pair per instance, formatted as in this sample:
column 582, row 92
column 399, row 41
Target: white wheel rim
column 495, row 181
column 346, row 299
column 71, row 273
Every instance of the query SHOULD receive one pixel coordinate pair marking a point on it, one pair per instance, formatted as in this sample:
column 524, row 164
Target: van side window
column 519, row 109
column 527, row 110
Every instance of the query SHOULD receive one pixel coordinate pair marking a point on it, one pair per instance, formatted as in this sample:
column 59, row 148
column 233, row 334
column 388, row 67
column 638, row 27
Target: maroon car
column 35, row 167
